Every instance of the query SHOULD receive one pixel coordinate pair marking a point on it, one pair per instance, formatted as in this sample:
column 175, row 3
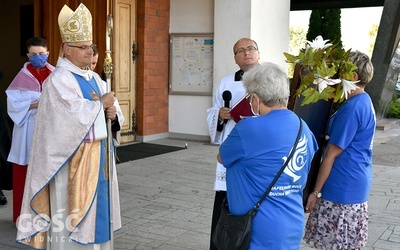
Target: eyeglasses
column 84, row 47
column 243, row 50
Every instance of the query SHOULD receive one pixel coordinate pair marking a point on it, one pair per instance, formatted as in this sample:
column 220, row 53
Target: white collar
column 65, row 63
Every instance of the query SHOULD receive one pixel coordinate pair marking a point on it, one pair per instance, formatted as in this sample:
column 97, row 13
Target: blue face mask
column 38, row 61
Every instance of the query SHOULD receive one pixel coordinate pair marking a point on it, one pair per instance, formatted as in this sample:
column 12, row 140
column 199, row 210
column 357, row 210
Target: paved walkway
column 167, row 200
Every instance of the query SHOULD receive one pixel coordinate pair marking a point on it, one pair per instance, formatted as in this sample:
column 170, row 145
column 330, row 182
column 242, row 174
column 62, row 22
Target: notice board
column 191, row 64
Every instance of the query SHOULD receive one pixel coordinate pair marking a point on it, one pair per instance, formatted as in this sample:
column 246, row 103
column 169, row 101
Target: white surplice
column 238, row 91
column 22, row 92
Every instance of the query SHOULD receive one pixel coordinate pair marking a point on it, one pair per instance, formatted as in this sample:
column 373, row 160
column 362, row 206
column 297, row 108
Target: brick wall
column 152, row 66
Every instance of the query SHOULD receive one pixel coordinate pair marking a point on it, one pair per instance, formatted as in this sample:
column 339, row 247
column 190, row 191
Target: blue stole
column 102, row 231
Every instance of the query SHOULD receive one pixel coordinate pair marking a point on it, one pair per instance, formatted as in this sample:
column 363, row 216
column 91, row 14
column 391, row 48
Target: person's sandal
column 3, row 199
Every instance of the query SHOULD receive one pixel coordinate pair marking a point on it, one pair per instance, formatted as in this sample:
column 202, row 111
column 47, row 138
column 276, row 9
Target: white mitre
column 75, row 26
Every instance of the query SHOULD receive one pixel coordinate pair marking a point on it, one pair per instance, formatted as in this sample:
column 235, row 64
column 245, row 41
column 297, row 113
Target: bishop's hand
column 111, row 113
column 108, row 99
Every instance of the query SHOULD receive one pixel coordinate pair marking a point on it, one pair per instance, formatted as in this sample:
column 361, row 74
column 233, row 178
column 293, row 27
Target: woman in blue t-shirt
column 339, row 204
column 255, row 151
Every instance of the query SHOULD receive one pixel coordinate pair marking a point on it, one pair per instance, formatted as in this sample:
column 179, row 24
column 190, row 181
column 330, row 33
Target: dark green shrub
column 394, row 110
column 325, row 23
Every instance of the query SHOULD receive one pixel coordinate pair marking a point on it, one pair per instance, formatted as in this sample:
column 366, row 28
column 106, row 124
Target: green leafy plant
column 326, row 71
column 394, row 110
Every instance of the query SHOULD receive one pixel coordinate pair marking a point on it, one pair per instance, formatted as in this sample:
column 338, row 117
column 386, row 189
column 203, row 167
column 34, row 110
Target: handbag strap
column 257, row 206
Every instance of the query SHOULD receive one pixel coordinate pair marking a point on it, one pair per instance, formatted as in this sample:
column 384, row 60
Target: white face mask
column 251, row 106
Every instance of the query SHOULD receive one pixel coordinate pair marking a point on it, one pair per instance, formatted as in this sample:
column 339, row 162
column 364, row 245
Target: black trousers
column 219, row 197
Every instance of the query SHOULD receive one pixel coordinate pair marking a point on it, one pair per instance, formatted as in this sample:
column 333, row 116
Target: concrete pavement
column 167, row 200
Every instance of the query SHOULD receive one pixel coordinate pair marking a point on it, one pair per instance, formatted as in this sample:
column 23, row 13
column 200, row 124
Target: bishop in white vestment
column 67, row 203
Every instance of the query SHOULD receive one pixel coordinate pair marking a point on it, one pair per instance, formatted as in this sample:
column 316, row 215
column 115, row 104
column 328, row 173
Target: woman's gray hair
column 365, row 68
column 269, row 82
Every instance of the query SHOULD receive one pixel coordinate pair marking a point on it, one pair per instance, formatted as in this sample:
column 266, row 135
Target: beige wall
column 187, row 113
column 266, row 21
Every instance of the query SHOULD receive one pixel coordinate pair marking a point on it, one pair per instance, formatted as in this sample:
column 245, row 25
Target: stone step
column 387, row 123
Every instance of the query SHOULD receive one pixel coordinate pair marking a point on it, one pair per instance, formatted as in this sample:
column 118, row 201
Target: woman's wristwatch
column 318, row 194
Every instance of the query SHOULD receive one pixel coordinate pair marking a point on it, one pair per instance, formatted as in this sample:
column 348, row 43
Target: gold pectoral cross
column 94, row 95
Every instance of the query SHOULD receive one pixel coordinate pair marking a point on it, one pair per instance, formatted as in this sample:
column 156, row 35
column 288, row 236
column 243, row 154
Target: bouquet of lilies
column 326, row 71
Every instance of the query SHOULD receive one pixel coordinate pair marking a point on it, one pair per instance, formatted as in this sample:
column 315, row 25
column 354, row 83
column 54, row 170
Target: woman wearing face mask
column 339, row 203
column 22, row 101
column 255, row 151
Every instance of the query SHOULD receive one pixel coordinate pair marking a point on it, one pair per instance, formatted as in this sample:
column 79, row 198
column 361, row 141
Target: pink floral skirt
column 337, row 226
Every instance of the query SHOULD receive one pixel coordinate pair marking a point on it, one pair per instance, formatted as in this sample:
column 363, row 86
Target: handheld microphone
column 227, row 97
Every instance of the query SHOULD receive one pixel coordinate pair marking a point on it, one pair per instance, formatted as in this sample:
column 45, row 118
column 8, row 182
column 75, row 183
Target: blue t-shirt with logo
column 352, row 129
column 253, row 154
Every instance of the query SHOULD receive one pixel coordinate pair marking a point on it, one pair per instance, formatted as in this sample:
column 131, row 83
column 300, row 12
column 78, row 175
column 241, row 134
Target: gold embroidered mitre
column 75, row 26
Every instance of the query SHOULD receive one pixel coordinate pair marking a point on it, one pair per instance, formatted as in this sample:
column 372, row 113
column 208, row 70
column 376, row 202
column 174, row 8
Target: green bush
column 325, row 23
column 394, row 110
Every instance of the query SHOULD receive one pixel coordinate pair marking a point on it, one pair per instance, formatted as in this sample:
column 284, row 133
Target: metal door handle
column 134, row 52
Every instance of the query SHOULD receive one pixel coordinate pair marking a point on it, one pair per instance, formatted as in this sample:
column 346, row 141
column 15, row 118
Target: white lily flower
column 348, row 86
column 319, row 43
column 324, row 82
